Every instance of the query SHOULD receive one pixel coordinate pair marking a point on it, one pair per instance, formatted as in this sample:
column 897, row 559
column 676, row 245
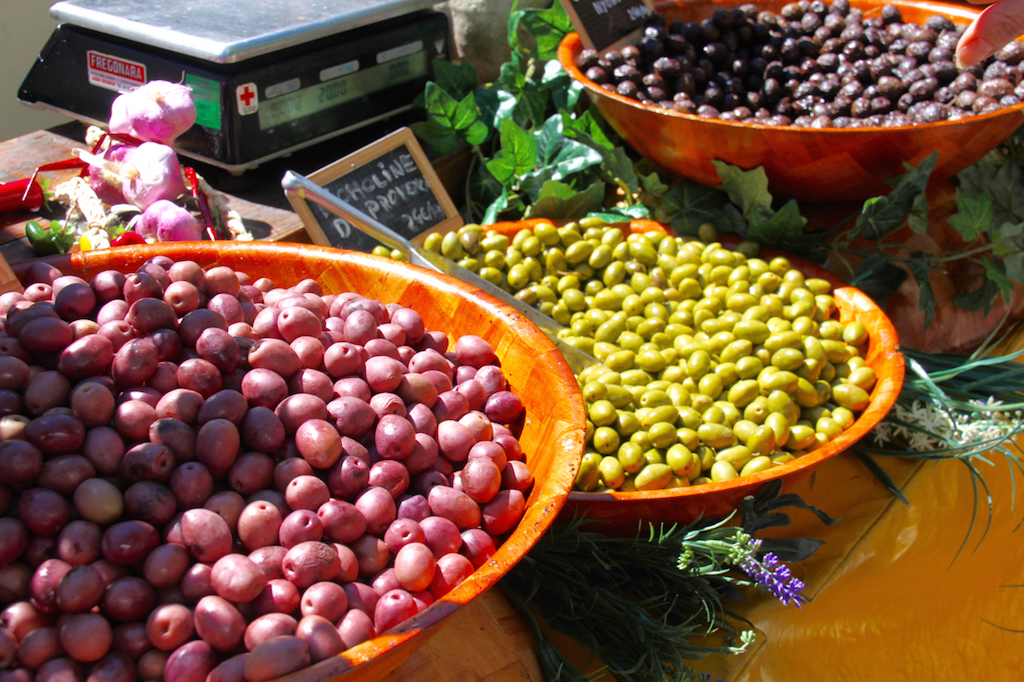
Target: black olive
column 626, row 89
column 939, row 23
column 597, row 74
column 586, row 59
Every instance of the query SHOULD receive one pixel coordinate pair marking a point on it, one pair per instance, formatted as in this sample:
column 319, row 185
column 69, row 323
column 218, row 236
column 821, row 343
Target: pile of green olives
column 714, row 363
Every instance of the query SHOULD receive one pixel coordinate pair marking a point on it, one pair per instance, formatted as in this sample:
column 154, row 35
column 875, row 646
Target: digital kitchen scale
column 268, row 76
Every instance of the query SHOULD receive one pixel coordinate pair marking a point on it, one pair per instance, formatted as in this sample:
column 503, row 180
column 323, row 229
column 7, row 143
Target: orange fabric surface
column 889, row 597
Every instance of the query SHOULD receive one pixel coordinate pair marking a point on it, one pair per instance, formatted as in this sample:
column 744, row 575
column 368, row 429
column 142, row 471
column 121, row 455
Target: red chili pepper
column 21, row 195
column 127, row 239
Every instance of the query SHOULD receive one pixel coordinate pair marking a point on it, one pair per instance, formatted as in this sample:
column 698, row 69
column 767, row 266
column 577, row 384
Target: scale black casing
column 59, row 81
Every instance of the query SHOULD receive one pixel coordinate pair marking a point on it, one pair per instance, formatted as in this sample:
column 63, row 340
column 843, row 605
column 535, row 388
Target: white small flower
column 882, row 432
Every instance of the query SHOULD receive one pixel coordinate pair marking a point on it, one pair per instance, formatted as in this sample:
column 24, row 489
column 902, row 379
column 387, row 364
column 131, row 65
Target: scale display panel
column 268, row 78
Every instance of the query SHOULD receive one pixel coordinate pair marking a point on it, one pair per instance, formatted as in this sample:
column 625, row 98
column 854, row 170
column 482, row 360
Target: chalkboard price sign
column 608, row 24
column 391, row 181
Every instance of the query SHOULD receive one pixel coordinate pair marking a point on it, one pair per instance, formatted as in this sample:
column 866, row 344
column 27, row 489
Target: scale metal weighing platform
column 268, row 76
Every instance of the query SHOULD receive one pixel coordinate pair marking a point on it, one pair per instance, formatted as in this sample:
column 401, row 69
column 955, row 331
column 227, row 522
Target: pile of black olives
column 813, row 65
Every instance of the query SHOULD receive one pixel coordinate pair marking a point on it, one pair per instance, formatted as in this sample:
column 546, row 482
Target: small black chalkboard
column 608, row 24
column 391, row 181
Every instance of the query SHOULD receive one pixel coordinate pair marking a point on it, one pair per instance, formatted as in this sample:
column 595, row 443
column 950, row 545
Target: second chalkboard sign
column 391, row 181
column 608, row 24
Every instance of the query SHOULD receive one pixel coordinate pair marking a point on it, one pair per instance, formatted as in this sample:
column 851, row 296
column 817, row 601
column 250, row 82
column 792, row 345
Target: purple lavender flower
column 776, row 577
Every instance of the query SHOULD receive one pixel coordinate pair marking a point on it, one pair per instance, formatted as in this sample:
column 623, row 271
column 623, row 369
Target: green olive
column 631, row 457
column 606, row 440
column 662, row 435
column 756, row 465
column 626, row 423
column 589, row 476
column 851, row 396
column 757, row 410
column 722, row 471
column 653, row 477
column 663, row 413
column 716, row 435
column 862, row 377
column 743, row 393
column 602, row 412
column 778, row 424
column 855, row 333
column 611, row 472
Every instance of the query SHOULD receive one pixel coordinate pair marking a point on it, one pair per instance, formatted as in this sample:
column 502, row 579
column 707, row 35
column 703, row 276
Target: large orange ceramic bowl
column 623, row 512
column 812, row 165
column 553, row 433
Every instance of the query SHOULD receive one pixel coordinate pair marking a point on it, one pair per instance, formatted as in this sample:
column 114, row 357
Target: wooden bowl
column 553, row 435
column 829, row 164
column 621, row 512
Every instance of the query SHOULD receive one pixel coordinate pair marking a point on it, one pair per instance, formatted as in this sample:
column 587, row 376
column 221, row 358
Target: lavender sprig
column 775, row 576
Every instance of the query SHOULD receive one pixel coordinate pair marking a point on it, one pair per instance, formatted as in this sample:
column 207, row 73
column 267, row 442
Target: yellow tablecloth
column 889, row 597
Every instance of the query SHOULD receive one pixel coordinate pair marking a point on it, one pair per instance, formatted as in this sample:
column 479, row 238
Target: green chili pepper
column 43, row 241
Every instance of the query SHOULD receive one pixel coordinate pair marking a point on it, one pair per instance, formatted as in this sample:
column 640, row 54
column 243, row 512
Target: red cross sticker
column 248, row 100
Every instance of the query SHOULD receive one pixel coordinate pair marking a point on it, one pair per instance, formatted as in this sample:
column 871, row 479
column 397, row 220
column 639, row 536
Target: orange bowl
column 829, row 164
column 620, row 512
column 553, row 435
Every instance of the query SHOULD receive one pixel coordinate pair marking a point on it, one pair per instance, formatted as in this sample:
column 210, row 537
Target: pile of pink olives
column 208, row 478
column 712, row 364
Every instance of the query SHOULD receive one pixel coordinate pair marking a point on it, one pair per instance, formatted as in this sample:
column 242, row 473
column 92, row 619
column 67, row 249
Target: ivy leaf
column 549, row 138
column 1005, row 191
column 653, row 184
column 878, row 278
column 495, row 105
column 441, row 139
column 620, row 214
column 449, row 112
column 520, row 145
column 587, row 130
column 994, row 282
column 925, row 297
column 973, row 216
column 458, row 80
column 496, row 207
column 620, row 166
column 784, row 230
column 1008, row 231
column 918, row 217
column 510, row 79
column 883, row 215
column 476, row 134
column 570, row 158
column 558, row 200
column 502, row 166
column 691, row 204
column 747, row 189
column 565, row 91
column 547, row 27
column 533, row 101
column 1015, row 266
column 975, row 179
column 995, row 270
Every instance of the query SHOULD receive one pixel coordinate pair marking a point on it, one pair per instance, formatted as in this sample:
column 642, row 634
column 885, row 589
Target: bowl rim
column 883, row 395
column 550, row 500
column 571, row 45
